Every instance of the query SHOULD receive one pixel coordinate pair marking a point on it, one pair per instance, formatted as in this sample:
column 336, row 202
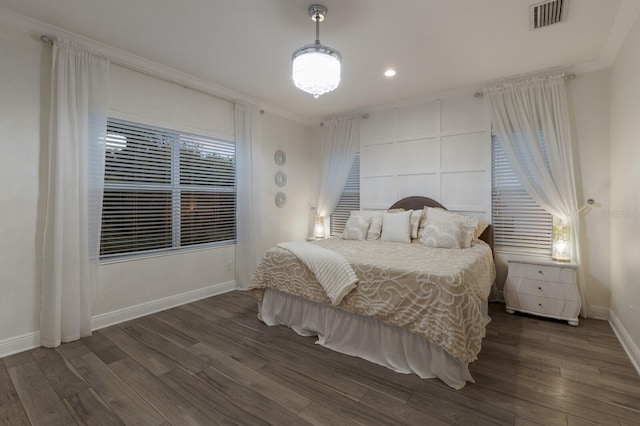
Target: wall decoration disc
column 280, row 158
column 281, row 199
column 281, row 179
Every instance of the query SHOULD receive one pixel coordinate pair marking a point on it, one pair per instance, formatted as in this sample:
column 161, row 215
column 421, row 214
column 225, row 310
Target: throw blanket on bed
column 331, row 269
column 433, row 292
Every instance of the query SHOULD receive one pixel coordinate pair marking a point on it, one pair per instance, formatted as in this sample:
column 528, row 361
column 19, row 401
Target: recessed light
column 390, row 72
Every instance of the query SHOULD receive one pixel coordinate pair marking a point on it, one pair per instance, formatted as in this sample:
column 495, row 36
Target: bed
column 415, row 309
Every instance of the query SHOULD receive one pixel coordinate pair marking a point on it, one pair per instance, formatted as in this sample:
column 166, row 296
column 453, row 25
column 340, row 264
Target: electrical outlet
column 229, row 266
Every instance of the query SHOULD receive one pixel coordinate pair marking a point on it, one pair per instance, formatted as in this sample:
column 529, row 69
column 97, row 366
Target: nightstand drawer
column 558, row 273
column 547, row 289
column 546, row 306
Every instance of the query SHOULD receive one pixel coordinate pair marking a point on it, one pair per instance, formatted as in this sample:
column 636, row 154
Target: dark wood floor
column 212, row 362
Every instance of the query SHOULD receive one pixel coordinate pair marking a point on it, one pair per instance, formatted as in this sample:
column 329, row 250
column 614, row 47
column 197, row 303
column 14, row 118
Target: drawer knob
column 540, row 272
column 540, row 304
column 540, row 288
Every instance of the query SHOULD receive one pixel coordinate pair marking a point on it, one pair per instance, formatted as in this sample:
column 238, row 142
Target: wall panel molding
column 439, row 149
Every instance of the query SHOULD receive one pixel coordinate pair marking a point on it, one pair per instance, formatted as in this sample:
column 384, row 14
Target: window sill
column 162, row 253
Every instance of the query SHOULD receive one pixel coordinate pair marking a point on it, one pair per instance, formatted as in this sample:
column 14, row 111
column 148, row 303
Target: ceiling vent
column 548, row 13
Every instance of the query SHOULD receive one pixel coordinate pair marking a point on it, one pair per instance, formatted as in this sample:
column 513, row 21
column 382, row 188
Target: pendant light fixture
column 316, row 67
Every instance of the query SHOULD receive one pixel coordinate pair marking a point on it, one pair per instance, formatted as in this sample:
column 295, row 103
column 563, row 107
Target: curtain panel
column 248, row 199
column 532, row 122
column 71, row 243
column 340, row 142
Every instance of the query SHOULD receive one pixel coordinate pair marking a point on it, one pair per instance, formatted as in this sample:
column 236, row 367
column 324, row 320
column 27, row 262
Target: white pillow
column 397, row 226
column 356, row 228
column 375, row 229
column 444, row 229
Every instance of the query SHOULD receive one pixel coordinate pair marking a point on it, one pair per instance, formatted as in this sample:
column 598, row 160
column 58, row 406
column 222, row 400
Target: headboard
column 417, row 203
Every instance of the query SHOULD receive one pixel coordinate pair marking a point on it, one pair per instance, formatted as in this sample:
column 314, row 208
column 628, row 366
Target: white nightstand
column 544, row 288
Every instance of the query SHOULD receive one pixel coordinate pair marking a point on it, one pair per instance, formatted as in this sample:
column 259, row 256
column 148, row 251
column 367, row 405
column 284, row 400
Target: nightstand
column 545, row 288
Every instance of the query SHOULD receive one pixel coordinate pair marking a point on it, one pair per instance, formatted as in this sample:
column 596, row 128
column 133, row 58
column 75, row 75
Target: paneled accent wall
column 439, row 149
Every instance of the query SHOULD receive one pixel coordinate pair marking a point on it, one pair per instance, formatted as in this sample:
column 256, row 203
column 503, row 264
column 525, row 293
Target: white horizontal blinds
column 349, row 200
column 165, row 189
column 207, row 190
column 520, row 225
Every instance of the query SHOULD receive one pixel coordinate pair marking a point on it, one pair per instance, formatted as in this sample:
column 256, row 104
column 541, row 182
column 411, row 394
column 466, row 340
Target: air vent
column 548, row 13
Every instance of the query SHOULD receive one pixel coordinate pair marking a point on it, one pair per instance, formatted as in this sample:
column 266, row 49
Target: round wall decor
column 281, row 179
column 281, row 199
column 280, row 158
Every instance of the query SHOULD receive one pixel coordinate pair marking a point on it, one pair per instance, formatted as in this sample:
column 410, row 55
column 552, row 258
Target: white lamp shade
column 561, row 250
column 316, row 72
column 318, row 231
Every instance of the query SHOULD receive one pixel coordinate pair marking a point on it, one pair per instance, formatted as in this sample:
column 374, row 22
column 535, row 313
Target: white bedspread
column 331, row 269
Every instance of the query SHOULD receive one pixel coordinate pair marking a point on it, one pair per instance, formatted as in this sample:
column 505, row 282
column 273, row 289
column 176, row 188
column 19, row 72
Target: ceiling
column 246, row 46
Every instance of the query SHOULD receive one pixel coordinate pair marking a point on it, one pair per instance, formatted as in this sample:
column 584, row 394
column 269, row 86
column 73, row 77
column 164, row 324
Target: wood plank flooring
column 212, row 362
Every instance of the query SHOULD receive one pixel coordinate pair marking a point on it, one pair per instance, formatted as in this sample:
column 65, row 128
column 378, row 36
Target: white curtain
column 340, row 142
column 248, row 187
column 531, row 120
column 78, row 124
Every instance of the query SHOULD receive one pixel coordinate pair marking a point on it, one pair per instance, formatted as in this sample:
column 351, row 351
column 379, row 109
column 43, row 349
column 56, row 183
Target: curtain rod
column 48, row 40
column 565, row 76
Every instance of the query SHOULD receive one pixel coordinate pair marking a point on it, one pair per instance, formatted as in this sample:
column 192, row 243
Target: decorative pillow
column 417, row 216
column 375, row 229
column 397, row 226
column 482, row 225
column 444, row 229
column 423, row 218
column 356, row 228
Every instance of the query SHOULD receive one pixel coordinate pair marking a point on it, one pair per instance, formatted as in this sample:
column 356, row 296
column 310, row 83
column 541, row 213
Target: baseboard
column 29, row 341
column 598, row 312
column 18, row 344
column 132, row 312
column 626, row 341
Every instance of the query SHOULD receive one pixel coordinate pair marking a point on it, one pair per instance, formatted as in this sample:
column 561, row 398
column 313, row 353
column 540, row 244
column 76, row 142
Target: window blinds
column 520, row 225
column 349, row 200
column 165, row 190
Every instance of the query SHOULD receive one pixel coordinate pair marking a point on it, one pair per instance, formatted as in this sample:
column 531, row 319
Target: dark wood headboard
column 418, row 203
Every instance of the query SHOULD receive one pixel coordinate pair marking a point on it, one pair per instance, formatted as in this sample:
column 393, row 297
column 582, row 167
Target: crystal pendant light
column 316, row 67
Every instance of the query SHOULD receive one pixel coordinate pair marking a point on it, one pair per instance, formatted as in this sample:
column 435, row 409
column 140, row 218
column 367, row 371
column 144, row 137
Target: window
column 520, row 225
column 165, row 190
column 349, row 200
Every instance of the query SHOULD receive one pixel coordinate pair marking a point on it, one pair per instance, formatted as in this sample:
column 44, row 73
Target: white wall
column 588, row 96
column 301, row 144
column 624, row 212
column 24, row 95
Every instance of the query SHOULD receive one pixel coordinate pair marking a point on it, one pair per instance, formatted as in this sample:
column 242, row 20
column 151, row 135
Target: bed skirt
column 368, row 338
